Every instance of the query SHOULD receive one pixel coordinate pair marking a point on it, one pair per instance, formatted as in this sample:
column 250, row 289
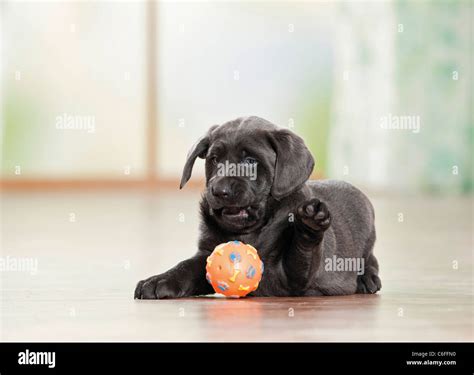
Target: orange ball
column 234, row 269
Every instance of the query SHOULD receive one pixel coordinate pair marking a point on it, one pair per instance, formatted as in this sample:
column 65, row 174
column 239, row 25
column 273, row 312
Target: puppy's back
column 347, row 205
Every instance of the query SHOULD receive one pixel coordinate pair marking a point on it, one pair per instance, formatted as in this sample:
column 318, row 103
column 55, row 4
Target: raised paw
column 157, row 287
column 315, row 215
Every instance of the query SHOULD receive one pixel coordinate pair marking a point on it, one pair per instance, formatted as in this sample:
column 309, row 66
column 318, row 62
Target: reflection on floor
column 92, row 248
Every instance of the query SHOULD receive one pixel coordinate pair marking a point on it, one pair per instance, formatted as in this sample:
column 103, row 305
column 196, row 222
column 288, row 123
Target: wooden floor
column 89, row 263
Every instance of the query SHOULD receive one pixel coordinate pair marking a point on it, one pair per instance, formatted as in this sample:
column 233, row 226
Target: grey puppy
column 309, row 234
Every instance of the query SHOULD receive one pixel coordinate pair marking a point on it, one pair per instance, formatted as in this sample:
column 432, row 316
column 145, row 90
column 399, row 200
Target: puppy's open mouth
column 236, row 212
column 237, row 217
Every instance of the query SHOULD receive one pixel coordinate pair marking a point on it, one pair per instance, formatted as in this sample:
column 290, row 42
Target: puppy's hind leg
column 369, row 282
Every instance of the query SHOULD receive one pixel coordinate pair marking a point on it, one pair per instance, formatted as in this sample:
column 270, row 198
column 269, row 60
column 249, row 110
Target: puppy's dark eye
column 213, row 159
column 249, row 160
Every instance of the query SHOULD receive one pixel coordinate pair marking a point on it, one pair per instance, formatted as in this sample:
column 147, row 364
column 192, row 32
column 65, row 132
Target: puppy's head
column 248, row 160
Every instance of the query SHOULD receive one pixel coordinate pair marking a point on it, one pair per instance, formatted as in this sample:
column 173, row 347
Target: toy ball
column 234, row 269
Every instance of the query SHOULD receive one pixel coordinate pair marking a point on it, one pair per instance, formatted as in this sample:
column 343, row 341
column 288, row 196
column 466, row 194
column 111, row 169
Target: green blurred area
column 21, row 135
column 434, row 80
column 315, row 119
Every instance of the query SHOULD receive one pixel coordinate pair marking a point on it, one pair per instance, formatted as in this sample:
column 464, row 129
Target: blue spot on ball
column 250, row 272
column 234, row 257
column 222, row 286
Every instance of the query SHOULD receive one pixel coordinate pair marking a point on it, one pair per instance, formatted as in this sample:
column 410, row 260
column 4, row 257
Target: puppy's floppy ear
column 199, row 149
column 294, row 163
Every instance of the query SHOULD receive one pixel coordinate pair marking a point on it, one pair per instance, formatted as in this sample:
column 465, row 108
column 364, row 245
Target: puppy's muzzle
column 226, row 191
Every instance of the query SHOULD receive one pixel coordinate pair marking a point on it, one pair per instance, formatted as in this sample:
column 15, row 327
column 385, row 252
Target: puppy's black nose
column 223, row 189
column 222, row 192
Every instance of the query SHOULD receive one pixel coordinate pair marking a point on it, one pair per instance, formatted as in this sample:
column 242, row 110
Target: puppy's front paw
column 157, row 287
column 315, row 215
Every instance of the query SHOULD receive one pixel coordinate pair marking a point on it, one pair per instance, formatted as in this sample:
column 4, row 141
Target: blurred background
column 101, row 101
column 135, row 84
